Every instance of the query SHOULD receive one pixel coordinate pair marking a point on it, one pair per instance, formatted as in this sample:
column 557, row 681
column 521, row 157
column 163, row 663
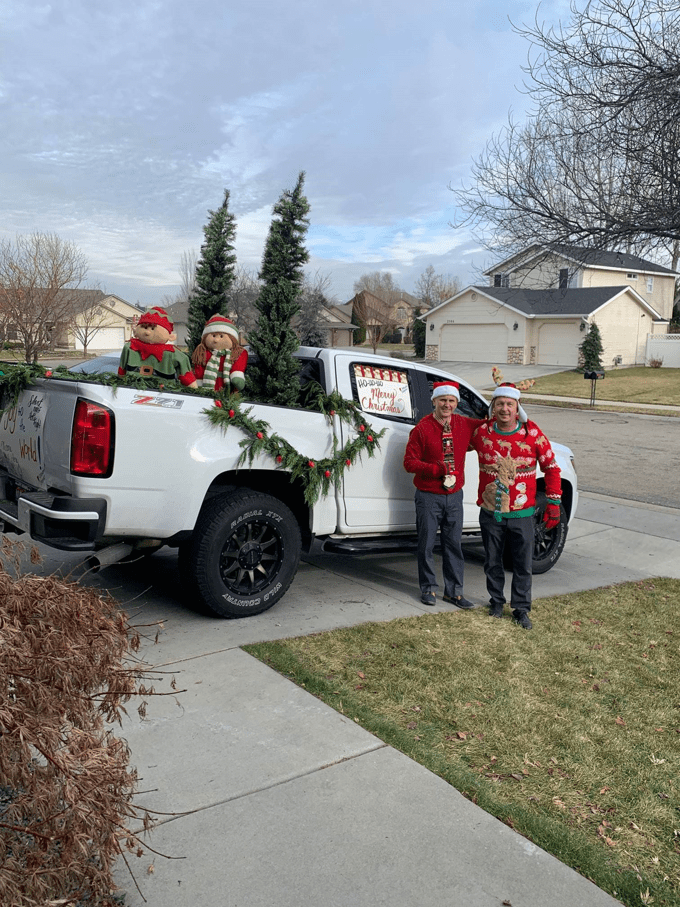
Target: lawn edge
column 566, row 844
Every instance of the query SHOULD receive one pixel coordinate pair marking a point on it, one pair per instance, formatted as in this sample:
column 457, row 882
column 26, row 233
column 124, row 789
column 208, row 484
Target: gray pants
column 519, row 532
column 444, row 512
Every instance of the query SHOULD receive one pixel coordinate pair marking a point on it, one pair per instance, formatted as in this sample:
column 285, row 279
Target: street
column 625, row 455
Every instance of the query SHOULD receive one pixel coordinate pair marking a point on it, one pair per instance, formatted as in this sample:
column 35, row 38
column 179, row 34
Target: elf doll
column 219, row 361
column 150, row 352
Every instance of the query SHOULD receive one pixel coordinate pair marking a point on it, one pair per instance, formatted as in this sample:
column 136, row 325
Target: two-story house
column 539, row 304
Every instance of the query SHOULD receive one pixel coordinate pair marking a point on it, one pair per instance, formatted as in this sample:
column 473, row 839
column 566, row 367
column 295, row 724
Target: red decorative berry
column 260, row 435
column 311, row 464
column 349, row 462
column 279, row 459
column 218, row 403
column 328, row 473
column 48, row 373
column 231, row 413
column 362, row 428
column 370, row 437
column 331, row 412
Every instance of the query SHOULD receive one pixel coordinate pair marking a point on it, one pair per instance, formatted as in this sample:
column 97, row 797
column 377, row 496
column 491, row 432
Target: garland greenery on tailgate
column 316, row 476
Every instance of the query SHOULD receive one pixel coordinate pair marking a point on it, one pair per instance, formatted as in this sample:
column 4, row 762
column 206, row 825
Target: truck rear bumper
column 60, row 522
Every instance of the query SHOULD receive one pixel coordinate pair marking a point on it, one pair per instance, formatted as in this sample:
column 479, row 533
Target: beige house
column 337, row 321
column 102, row 322
column 539, row 305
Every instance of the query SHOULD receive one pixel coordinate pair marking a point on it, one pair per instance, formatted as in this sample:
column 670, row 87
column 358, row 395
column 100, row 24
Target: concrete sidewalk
column 271, row 797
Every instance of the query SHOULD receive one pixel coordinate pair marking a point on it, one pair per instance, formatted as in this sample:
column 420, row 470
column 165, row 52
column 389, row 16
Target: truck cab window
column 471, row 404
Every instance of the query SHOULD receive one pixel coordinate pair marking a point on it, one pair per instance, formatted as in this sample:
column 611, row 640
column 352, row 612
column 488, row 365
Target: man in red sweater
column 509, row 446
column 435, row 454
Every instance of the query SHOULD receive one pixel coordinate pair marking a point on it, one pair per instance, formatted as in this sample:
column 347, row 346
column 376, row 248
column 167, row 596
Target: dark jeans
column 444, row 512
column 519, row 531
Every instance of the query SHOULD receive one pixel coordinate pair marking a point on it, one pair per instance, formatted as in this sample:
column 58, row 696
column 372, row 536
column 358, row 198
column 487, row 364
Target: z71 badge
column 151, row 400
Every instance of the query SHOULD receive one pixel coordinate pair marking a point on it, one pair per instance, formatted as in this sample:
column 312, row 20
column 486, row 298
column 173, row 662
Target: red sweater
column 424, row 454
column 507, row 468
column 236, row 370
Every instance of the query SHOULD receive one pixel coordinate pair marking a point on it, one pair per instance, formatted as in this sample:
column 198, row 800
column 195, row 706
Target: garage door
column 474, row 343
column 558, row 344
column 103, row 339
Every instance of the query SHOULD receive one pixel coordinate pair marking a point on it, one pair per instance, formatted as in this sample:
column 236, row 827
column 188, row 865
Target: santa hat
column 445, row 389
column 509, row 390
column 159, row 316
column 220, row 324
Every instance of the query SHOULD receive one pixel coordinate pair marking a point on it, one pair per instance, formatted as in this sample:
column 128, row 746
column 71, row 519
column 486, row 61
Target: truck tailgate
column 35, row 436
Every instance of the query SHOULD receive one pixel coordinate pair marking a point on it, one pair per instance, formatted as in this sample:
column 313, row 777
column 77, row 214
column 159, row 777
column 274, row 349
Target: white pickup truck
column 115, row 472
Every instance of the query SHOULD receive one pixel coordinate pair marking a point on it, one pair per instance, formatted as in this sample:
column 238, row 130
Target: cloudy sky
column 124, row 122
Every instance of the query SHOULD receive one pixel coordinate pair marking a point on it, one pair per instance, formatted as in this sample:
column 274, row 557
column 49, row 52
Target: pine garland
column 316, row 476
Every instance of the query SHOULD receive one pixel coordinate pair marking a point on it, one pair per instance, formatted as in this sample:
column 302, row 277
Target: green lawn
column 569, row 733
column 632, row 385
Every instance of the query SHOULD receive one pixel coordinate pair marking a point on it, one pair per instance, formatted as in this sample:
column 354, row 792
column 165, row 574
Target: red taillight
column 91, row 440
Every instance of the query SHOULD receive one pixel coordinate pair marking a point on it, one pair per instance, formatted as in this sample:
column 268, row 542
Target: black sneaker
column 458, row 601
column 428, row 598
column 522, row 618
column 496, row 611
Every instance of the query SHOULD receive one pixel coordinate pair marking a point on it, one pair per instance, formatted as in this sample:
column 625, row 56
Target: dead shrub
column 67, row 784
column 655, row 363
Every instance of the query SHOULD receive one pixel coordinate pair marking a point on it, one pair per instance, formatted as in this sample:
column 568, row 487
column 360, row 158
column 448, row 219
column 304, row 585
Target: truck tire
column 548, row 543
column 243, row 553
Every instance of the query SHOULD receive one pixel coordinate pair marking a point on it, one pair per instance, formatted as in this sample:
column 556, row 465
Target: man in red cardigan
column 509, row 446
column 435, row 454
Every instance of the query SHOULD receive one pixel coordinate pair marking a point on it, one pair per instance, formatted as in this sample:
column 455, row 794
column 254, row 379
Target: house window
column 501, row 280
column 564, row 278
column 631, row 276
column 650, row 284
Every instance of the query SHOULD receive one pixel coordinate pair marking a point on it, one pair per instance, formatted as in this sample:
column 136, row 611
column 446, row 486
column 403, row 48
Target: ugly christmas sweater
column 424, row 454
column 507, row 468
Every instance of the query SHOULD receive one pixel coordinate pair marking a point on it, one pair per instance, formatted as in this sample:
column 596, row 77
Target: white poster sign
column 383, row 391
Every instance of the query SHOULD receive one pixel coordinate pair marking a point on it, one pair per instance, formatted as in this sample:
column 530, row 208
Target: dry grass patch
column 570, row 733
column 660, row 386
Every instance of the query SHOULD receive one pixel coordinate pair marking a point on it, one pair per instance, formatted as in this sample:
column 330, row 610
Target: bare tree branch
column 39, row 274
column 598, row 161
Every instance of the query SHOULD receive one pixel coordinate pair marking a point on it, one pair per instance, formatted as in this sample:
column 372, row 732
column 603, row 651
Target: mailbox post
column 593, row 377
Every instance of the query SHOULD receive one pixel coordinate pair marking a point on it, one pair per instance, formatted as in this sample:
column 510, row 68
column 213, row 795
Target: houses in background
column 335, row 321
column 385, row 316
column 539, row 304
column 102, row 322
column 85, row 320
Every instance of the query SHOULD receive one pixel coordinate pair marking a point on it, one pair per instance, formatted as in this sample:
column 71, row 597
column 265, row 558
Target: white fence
column 665, row 347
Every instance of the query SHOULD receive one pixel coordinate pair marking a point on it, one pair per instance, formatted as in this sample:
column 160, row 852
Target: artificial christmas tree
column 273, row 376
column 214, row 272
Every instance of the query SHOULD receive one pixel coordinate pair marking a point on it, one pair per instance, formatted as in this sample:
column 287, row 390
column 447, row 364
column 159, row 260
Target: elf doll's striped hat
column 220, row 324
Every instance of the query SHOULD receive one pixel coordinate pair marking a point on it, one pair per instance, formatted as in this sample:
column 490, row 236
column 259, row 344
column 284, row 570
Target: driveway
column 479, row 373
